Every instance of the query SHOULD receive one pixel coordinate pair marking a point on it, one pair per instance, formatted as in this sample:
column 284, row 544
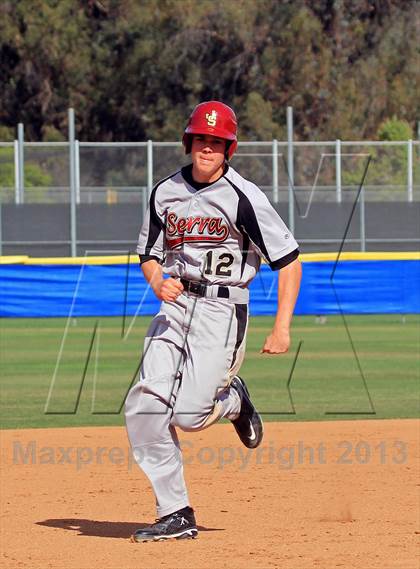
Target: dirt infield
column 317, row 495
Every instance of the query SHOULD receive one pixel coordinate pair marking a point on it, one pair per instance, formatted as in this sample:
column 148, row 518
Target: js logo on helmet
column 211, row 119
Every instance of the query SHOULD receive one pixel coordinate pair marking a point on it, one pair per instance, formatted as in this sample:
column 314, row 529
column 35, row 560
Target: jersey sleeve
column 151, row 239
column 266, row 230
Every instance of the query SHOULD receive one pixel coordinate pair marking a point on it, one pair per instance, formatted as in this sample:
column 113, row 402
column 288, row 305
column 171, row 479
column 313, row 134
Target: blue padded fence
column 358, row 287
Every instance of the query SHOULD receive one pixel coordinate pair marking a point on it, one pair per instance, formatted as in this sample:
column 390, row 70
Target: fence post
column 1, row 235
column 77, row 169
column 21, row 138
column 338, row 169
column 362, row 220
column 410, row 171
column 16, row 161
column 275, row 171
column 146, row 191
column 291, row 176
column 149, row 167
column 73, row 235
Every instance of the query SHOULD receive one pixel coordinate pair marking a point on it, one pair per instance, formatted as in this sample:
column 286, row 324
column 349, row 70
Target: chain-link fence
column 63, row 198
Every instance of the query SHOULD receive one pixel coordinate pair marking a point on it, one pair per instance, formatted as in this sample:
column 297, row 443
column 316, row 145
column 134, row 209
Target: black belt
column 200, row 288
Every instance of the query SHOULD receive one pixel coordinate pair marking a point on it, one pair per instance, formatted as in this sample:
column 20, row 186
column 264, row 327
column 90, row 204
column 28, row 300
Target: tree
column 134, row 69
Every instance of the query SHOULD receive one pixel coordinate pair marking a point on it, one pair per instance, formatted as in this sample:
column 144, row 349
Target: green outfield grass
column 326, row 383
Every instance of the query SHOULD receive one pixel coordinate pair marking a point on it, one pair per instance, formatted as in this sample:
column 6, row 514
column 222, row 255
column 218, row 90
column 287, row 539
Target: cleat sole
column 189, row 534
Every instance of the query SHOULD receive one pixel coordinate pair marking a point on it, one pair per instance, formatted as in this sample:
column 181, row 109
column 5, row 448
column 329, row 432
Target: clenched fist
column 278, row 342
column 168, row 289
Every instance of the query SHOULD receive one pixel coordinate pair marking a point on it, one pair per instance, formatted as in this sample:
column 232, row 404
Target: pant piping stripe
column 241, row 313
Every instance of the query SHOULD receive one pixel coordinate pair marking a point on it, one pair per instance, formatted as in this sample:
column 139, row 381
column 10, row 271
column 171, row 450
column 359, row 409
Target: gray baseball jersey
column 218, row 233
column 215, row 233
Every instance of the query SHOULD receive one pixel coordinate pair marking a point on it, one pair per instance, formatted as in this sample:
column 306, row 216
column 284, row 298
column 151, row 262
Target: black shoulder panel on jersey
column 247, row 220
column 284, row 261
column 155, row 224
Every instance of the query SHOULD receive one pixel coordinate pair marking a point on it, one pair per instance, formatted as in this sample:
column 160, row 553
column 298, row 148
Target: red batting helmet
column 215, row 118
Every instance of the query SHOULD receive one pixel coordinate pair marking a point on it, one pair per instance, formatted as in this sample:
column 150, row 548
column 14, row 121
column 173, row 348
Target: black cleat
column 178, row 525
column 249, row 424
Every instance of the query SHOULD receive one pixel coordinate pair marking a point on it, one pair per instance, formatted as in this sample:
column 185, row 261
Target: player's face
column 208, row 156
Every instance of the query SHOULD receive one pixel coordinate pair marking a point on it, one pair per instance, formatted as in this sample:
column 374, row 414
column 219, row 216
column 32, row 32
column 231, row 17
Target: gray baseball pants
column 193, row 348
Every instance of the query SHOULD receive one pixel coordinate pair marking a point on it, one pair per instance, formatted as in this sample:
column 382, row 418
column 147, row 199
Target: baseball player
column 206, row 229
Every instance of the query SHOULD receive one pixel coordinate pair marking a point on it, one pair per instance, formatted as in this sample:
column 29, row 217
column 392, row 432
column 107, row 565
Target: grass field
column 326, row 383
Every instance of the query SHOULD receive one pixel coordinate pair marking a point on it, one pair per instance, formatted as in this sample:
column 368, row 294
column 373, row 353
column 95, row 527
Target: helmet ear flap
column 227, row 149
column 231, row 147
column 187, row 142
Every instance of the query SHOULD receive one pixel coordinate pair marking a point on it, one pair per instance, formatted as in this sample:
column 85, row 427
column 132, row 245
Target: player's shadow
column 96, row 528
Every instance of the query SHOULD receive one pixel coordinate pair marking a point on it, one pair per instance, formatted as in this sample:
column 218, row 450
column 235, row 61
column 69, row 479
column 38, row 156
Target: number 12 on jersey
column 219, row 265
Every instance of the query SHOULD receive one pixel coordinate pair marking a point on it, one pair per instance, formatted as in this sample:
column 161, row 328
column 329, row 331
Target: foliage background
column 133, row 69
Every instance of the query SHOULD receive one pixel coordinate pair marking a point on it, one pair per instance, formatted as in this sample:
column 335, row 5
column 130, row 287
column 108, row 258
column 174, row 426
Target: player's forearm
column 153, row 273
column 288, row 290
column 167, row 290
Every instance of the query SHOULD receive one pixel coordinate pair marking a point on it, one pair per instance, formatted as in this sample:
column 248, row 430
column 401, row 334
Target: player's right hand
column 169, row 289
